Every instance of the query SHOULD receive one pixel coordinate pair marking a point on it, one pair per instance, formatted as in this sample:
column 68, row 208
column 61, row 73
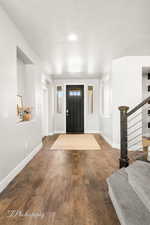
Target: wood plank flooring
column 63, row 187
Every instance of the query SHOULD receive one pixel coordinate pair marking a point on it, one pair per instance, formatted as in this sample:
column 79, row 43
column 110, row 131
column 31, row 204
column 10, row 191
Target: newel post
column 124, row 161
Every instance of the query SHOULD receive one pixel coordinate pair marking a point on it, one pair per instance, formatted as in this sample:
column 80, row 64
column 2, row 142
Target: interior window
column 90, row 99
column 59, row 99
column 75, row 93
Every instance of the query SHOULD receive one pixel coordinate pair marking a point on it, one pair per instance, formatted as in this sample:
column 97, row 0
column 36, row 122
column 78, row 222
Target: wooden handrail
column 138, row 107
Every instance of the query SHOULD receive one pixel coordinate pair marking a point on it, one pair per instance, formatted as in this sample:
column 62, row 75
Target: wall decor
column 19, row 107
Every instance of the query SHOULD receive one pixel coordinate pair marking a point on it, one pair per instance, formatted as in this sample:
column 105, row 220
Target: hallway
column 67, row 187
column 75, row 105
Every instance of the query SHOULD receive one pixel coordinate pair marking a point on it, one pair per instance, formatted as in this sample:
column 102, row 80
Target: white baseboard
column 114, row 145
column 91, row 132
column 86, row 132
column 50, row 134
column 106, row 139
column 59, row 132
column 4, row 183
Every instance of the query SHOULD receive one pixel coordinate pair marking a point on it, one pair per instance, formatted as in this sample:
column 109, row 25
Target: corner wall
column 126, row 88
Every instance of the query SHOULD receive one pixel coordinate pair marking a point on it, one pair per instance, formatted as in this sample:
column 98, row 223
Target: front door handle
column 67, row 113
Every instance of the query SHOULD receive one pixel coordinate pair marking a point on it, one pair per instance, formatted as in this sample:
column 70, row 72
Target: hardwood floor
column 64, row 187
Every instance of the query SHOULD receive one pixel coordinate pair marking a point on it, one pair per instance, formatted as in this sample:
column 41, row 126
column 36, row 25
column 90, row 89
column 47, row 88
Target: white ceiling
column 106, row 29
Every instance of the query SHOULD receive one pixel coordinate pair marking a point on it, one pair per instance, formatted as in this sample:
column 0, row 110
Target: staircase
column 129, row 187
column 129, row 190
column 131, row 130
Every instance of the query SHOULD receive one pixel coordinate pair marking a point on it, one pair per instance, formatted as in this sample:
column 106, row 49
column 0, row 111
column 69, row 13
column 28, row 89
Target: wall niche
column 25, row 87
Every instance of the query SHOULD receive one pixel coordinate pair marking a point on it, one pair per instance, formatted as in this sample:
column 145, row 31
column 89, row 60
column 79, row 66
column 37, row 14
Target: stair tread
column 139, row 179
column 130, row 209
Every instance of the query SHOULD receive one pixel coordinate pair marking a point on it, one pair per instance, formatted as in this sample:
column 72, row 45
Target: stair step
column 139, row 179
column 129, row 208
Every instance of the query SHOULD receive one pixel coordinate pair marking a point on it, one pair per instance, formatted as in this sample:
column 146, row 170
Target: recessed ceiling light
column 72, row 37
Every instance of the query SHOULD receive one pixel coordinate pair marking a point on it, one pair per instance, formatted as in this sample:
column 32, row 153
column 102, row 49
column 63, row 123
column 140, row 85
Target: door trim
column 83, row 101
column 45, row 120
column 65, row 103
column 89, row 127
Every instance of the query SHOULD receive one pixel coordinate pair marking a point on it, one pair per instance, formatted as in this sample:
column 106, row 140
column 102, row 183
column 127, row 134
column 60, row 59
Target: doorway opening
column 75, row 109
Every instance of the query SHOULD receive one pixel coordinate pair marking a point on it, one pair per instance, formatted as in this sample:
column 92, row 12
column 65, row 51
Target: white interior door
column 45, row 112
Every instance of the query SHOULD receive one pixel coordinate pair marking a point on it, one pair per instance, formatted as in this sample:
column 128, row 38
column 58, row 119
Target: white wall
column 16, row 140
column 126, row 88
column 91, row 122
column 21, row 78
column 51, row 108
column 47, row 83
column 106, row 107
column 45, row 112
column 48, row 86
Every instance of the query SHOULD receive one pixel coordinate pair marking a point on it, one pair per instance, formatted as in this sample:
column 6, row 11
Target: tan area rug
column 75, row 142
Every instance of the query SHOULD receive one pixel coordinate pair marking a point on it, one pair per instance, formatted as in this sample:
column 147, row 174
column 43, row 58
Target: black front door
column 75, row 108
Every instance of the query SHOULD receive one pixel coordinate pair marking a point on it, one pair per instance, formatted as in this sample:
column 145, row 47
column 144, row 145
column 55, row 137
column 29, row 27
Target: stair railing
column 131, row 125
